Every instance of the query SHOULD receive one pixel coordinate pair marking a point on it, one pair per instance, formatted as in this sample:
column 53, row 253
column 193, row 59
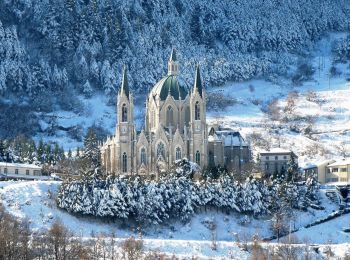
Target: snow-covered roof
column 314, row 164
column 228, row 137
column 276, row 151
column 19, row 165
column 340, row 162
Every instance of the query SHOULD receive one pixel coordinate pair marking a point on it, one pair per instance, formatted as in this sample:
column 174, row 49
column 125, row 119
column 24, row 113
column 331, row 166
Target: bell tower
column 173, row 65
column 125, row 130
column 198, row 125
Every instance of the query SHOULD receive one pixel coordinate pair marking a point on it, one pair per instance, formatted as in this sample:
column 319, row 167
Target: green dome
column 169, row 85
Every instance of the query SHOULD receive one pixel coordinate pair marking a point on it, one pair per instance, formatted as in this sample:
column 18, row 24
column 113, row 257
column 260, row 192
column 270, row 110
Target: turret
column 173, row 65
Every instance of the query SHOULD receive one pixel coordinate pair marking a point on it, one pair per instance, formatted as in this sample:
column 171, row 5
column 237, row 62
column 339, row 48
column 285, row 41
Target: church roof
column 124, row 87
column 198, row 81
column 169, row 85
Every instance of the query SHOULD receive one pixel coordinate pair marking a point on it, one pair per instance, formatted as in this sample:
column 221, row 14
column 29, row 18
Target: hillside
column 53, row 51
column 36, row 201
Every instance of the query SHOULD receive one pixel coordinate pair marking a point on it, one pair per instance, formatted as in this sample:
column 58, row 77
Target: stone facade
column 227, row 148
column 175, row 127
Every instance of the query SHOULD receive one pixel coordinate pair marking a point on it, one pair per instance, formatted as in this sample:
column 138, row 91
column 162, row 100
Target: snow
column 275, row 150
column 19, row 165
column 328, row 232
column 340, row 162
column 35, row 201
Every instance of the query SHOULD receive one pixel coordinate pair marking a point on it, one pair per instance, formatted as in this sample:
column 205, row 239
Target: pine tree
column 2, row 150
column 91, row 157
column 293, row 169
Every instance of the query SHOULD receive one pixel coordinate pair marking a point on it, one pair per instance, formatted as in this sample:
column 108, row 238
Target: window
column 124, row 113
column 27, row 172
column 267, row 158
column 178, row 153
column 343, row 179
column 143, row 156
column 161, row 151
column 169, row 116
column 198, row 157
column 276, row 158
column 285, row 157
column 266, row 166
column 211, row 159
column 187, row 115
column 125, row 163
column 197, row 111
column 16, row 171
column 5, row 170
column 334, row 169
column 342, row 169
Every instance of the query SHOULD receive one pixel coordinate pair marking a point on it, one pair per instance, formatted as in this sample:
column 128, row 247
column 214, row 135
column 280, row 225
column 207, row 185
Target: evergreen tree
column 91, row 157
column 293, row 169
column 2, row 150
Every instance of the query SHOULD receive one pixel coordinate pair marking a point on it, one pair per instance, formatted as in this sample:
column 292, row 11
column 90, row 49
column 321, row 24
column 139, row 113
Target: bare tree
column 132, row 248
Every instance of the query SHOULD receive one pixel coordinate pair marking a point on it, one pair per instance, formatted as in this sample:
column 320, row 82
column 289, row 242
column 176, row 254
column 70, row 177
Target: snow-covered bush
column 177, row 196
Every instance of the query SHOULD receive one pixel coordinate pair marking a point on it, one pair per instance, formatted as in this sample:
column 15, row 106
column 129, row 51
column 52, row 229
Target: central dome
column 169, row 85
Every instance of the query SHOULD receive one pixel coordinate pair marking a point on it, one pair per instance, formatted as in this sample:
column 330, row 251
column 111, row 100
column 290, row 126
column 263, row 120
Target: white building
column 320, row 169
column 339, row 171
column 275, row 160
column 19, row 169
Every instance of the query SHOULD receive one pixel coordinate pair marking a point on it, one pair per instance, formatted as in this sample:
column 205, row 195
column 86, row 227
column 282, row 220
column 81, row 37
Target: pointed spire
column 173, row 65
column 124, row 88
column 173, row 55
column 198, row 81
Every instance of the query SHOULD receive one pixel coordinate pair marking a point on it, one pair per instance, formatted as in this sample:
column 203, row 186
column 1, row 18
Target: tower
column 125, row 130
column 173, row 65
column 198, row 125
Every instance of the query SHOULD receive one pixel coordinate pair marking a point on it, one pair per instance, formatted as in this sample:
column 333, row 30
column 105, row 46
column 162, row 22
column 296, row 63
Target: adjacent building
column 338, row 171
column 319, row 168
column 227, row 148
column 19, row 169
column 275, row 160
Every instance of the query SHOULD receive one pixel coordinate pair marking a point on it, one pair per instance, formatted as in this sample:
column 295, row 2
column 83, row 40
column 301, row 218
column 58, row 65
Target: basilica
column 175, row 128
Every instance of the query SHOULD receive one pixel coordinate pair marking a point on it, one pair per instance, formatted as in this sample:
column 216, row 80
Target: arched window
column 125, row 162
column 124, row 113
column 169, row 116
column 211, row 159
column 197, row 111
column 143, row 156
column 187, row 115
column 160, row 151
column 198, row 157
column 178, row 153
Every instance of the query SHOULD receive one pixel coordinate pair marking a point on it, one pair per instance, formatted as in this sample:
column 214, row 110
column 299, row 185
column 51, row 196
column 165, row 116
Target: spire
column 198, row 81
column 173, row 65
column 173, row 55
column 124, row 86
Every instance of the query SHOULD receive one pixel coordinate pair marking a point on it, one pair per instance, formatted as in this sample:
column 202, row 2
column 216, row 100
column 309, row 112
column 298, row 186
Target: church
column 175, row 128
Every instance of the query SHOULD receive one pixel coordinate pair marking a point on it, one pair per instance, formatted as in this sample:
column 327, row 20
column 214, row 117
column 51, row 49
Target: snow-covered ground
column 35, row 201
column 330, row 110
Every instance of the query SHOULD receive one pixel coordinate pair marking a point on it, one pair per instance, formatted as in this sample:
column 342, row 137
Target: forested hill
column 52, row 50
